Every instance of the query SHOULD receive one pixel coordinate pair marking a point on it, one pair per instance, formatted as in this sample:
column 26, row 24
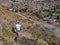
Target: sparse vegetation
column 9, row 19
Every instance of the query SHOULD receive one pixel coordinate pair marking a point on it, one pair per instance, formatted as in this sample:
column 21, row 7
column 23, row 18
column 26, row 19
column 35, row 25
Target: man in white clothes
column 17, row 30
column 18, row 27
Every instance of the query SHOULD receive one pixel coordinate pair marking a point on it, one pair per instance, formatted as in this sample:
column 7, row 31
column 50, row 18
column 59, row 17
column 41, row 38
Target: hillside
column 37, row 29
column 7, row 21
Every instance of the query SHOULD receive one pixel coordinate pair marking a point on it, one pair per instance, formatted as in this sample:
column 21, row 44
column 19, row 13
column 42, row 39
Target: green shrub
column 23, row 9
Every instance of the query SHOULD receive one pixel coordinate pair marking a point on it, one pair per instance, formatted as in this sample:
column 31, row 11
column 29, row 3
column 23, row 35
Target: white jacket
column 18, row 26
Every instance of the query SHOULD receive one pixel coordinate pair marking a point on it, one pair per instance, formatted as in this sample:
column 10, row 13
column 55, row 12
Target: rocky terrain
column 34, row 30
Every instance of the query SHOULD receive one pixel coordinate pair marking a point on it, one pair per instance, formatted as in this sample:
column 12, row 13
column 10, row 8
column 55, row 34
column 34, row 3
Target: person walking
column 18, row 27
column 17, row 30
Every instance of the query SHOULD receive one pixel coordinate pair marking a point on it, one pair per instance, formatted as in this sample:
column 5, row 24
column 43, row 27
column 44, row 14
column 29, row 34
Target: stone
column 26, row 39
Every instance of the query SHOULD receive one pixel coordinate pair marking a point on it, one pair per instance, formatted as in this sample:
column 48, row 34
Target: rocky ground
column 33, row 32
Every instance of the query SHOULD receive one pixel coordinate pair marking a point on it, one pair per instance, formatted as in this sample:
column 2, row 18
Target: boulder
column 26, row 39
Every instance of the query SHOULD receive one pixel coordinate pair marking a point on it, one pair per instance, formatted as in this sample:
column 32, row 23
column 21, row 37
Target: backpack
column 14, row 30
